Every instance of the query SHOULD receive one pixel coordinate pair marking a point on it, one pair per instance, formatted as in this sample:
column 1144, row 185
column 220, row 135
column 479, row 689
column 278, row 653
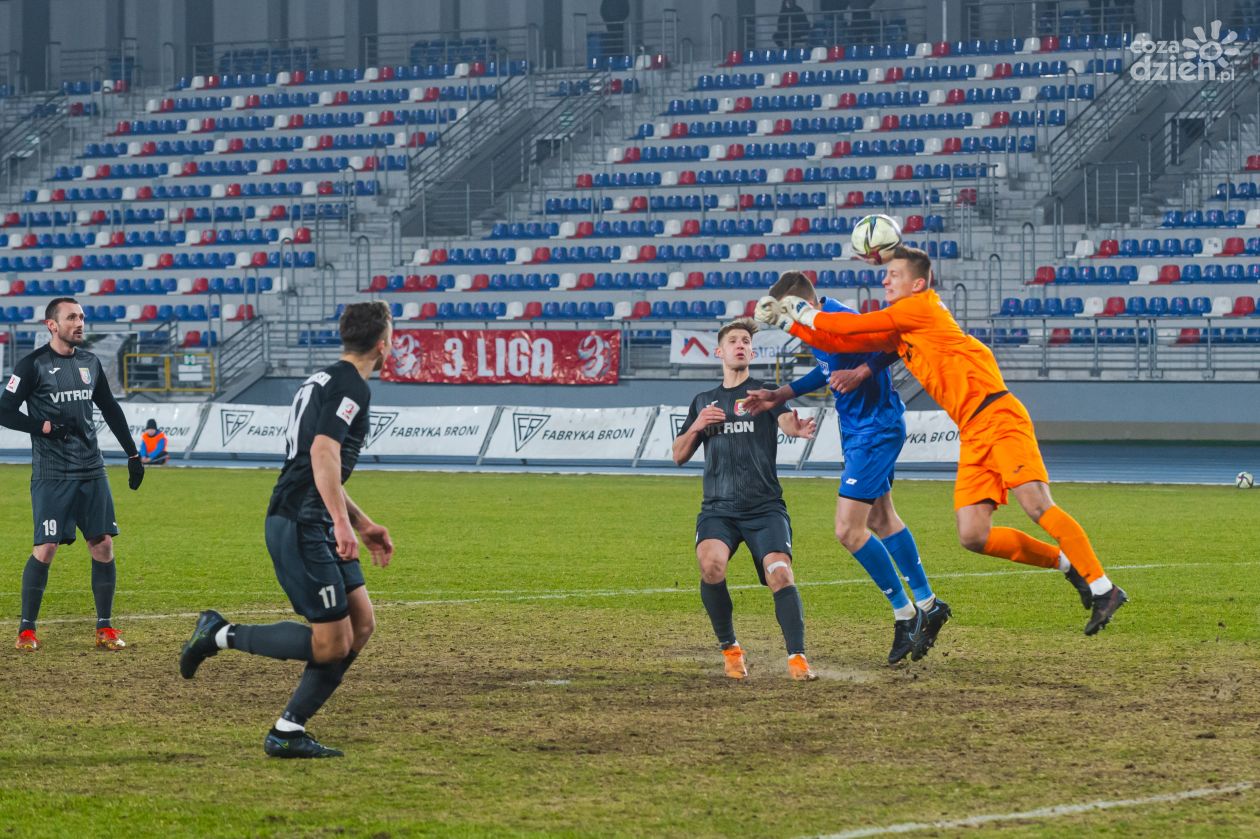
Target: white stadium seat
column 1093, row 305
column 1221, row 306
column 1084, row 249
column 1147, row 274
column 1211, row 247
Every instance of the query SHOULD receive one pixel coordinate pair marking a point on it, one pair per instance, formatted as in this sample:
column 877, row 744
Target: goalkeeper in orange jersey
column 998, row 447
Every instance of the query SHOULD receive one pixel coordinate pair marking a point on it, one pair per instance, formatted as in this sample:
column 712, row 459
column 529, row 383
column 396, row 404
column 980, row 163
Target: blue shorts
column 870, row 462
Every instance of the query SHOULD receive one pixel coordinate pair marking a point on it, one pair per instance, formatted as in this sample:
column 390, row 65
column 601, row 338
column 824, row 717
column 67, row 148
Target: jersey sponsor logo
column 85, row 375
column 378, row 423
column 348, row 409
column 526, row 426
column 232, row 422
column 14, row 381
column 70, row 396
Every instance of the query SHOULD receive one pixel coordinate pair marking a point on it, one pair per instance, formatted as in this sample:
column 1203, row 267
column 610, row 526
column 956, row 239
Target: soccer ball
column 1244, row 480
column 874, row 238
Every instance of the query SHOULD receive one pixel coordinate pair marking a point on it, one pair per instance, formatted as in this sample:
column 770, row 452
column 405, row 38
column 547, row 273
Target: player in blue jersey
column 872, row 430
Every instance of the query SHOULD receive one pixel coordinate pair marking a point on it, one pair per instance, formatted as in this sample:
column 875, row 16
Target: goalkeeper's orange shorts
column 998, row 451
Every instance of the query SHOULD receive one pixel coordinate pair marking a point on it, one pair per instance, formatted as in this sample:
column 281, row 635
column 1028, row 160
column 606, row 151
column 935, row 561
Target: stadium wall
column 1063, row 411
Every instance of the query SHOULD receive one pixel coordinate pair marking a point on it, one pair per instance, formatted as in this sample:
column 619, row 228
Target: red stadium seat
column 429, row 282
column 782, row 126
column 795, row 175
column 1060, row 335
column 695, row 280
column 951, row 145
column 733, row 58
column 480, row 282
column 1002, row 70
column 940, row 49
column 379, row 283
column 743, row 103
column 641, row 309
column 1000, row 119
column 19, row 287
column 533, row 310
column 904, row 172
column 1045, row 275
column 1243, row 307
column 687, row 178
column 894, row 74
column 632, row 155
column 835, row 53
column 192, row 338
column 1189, row 335
column 1114, row 307
column 1169, row 274
column 800, row 226
column 690, row 227
column 956, row 96
column 790, row 78
column 412, row 283
column 846, row 100
column 913, row 224
column 647, row 253
column 302, row 236
column 1234, row 246
column 75, row 262
column 678, row 129
column 639, row 203
column 750, row 308
column 201, row 285
column 841, row 148
column 541, row 255
column 890, row 122
column 1107, row 248
column 1253, row 163
column 756, row 251
column 148, row 313
column 428, row 311
column 586, row 281
column 584, row 229
column 1050, row 43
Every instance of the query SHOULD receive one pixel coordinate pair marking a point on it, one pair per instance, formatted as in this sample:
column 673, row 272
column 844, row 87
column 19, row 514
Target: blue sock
column 875, row 559
column 906, row 553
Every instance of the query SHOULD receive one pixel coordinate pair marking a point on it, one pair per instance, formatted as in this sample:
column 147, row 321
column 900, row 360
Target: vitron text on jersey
column 71, row 396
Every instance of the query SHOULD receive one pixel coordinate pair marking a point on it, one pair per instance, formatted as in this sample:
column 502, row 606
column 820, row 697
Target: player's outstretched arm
column 793, row 426
column 326, row 467
column 764, row 399
column 846, row 343
column 685, row 444
column 16, row 390
column 375, row 536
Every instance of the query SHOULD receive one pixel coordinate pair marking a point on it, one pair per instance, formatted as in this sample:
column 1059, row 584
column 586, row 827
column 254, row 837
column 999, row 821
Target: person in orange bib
column 999, row 449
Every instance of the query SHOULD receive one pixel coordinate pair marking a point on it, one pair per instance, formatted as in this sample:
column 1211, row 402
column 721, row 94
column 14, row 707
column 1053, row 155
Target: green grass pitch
column 543, row 667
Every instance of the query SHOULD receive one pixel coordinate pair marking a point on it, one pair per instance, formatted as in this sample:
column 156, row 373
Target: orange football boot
column 107, row 638
column 799, row 670
column 26, row 641
column 736, row 667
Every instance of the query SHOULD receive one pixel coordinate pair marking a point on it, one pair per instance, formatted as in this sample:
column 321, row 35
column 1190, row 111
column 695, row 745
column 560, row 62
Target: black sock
column 317, row 685
column 34, row 581
column 104, row 579
column 284, row 640
column 791, row 614
column 717, row 602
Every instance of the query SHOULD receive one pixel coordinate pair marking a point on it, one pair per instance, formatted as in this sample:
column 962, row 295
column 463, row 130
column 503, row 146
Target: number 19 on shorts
column 50, row 527
column 328, row 594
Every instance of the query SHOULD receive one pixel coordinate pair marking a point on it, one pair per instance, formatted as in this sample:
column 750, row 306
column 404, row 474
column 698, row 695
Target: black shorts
column 309, row 570
column 765, row 532
column 60, row 506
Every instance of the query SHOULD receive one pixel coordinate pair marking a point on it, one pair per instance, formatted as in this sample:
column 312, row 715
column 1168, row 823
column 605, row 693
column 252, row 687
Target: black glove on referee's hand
column 135, row 471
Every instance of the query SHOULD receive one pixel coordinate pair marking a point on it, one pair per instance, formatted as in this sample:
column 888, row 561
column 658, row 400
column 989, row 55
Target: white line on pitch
column 1043, row 813
column 525, row 596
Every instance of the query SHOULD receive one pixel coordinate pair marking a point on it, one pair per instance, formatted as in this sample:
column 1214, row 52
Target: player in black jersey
column 60, row 382
column 310, row 531
column 742, row 499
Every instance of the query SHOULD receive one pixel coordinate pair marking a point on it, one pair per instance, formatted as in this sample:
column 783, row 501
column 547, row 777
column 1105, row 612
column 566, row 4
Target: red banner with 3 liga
column 504, row 356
